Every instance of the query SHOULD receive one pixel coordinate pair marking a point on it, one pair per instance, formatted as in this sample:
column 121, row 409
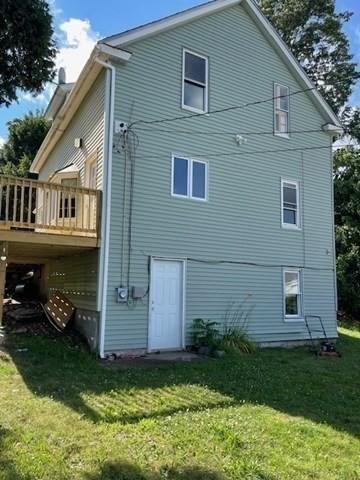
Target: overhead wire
column 255, row 264
column 220, row 110
column 257, row 152
column 133, row 127
column 222, row 133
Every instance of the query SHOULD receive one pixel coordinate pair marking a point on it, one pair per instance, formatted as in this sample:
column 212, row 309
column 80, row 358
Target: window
column 290, row 204
column 195, row 82
column 292, row 294
column 91, row 171
column 282, row 104
column 67, row 202
column 189, row 178
column 64, row 205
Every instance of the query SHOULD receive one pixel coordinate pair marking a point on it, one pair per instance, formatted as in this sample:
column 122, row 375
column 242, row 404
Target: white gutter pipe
column 106, row 205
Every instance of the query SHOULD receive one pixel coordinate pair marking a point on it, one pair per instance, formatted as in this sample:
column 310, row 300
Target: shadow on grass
column 8, row 470
column 126, row 471
column 325, row 390
column 110, row 470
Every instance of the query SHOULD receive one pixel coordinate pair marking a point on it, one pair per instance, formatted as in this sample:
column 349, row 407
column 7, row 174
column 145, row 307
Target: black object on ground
column 326, row 347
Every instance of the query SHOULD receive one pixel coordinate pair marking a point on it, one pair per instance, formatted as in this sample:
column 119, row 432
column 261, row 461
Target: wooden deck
column 40, row 221
column 47, row 216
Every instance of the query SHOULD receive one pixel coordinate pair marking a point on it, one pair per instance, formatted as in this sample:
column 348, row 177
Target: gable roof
column 167, row 23
column 113, row 48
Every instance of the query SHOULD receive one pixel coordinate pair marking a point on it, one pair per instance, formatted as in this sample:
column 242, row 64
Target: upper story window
column 282, row 110
column 293, row 307
column 290, row 204
column 195, row 82
column 189, row 178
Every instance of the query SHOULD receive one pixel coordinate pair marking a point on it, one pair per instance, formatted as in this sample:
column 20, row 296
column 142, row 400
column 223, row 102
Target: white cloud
column 2, row 141
column 54, row 9
column 40, row 99
column 75, row 40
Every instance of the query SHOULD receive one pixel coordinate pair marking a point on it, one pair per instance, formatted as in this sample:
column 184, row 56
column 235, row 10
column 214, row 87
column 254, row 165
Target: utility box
column 138, row 292
column 122, row 295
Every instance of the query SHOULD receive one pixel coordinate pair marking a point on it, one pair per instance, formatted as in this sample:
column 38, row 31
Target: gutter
column 106, row 204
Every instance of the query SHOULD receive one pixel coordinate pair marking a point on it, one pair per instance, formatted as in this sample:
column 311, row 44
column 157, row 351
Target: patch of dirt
column 28, row 318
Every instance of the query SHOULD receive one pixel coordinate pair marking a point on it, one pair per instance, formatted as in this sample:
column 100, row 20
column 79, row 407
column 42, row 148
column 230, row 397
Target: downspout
column 106, row 205
column 333, row 225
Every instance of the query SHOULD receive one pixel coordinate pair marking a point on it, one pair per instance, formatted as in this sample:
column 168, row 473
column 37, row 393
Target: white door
column 166, row 305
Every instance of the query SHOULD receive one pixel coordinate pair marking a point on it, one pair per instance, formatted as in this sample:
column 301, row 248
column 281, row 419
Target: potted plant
column 206, row 336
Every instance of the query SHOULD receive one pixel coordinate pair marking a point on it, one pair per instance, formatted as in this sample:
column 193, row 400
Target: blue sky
column 80, row 23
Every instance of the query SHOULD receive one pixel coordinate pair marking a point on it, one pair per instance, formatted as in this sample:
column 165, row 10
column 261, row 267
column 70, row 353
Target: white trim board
column 169, row 22
column 181, row 18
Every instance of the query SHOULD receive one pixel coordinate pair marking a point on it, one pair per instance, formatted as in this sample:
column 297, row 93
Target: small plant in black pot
column 206, row 336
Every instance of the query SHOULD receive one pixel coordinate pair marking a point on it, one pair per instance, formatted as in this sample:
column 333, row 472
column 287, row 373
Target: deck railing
column 48, row 207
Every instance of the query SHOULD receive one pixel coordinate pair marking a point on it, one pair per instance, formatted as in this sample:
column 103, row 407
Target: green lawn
column 276, row 414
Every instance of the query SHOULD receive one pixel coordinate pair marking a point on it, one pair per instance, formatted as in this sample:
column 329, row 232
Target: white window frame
column 300, row 315
column 206, row 85
column 91, row 161
column 190, row 177
column 276, row 109
column 58, row 177
column 291, row 226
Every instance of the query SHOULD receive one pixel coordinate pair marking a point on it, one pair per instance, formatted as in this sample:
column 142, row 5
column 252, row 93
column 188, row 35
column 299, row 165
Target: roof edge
column 86, row 79
column 57, row 100
column 253, row 9
column 168, row 22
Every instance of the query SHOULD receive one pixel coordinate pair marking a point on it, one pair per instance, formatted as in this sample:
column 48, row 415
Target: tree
column 27, row 50
column 313, row 31
column 347, row 215
column 24, row 139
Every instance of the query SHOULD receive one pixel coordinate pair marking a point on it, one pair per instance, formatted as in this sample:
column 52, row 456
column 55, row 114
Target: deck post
column 3, row 262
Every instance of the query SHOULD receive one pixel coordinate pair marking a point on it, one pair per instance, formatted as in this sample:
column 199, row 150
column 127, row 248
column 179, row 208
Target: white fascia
column 333, row 130
column 169, row 22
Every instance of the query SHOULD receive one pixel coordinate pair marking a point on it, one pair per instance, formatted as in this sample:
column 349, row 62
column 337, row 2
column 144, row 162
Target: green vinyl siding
column 241, row 221
column 76, row 276
column 87, row 124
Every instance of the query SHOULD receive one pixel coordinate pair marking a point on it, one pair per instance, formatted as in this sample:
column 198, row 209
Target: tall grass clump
column 235, row 337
